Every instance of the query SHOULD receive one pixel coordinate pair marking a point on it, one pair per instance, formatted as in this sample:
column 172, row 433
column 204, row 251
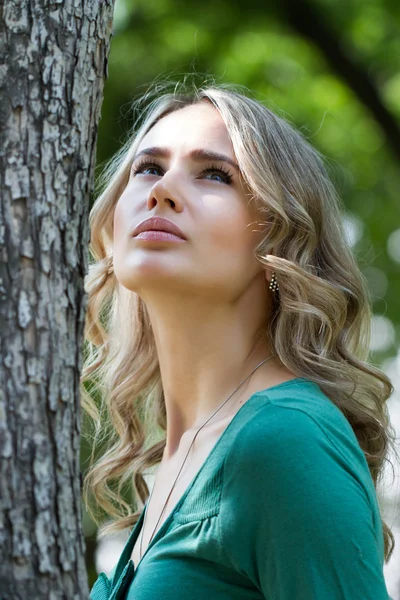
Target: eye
column 144, row 167
column 223, row 174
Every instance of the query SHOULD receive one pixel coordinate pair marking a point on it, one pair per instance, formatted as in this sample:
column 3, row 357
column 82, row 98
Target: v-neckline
column 127, row 552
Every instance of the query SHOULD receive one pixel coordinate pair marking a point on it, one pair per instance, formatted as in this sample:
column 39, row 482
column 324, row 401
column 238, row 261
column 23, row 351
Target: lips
column 158, row 224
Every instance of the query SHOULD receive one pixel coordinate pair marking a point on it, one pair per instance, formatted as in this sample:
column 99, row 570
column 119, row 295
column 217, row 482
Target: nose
column 166, row 189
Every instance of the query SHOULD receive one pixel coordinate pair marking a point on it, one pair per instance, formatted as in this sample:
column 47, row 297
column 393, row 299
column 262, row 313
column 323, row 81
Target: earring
column 273, row 285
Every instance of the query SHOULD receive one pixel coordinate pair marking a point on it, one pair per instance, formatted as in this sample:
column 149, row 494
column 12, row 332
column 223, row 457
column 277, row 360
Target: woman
column 238, row 326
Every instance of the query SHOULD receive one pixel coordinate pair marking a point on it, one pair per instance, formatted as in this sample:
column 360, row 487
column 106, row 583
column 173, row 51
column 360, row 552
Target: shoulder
column 295, row 412
column 295, row 428
column 297, row 488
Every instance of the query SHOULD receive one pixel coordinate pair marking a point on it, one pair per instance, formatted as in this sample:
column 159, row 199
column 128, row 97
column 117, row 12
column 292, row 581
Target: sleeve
column 295, row 518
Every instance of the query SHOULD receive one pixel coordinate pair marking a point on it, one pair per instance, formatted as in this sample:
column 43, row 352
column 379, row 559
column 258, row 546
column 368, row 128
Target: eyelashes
column 224, row 173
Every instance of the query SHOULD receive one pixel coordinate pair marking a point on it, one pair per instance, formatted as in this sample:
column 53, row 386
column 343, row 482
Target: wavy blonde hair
column 320, row 324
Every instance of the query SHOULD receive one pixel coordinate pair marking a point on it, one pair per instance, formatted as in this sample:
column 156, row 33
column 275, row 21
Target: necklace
column 173, row 485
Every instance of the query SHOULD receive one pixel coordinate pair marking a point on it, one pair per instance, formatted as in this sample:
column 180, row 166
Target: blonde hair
column 320, row 323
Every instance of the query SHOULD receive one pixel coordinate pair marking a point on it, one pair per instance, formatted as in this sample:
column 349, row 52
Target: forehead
column 197, row 126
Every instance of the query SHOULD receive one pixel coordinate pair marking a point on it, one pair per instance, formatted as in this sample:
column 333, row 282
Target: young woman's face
column 207, row 200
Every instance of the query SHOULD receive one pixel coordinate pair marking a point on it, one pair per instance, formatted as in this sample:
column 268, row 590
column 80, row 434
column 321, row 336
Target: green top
column 283, row 508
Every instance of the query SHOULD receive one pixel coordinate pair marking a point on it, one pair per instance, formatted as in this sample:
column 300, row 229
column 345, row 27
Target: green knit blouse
column 283, row 508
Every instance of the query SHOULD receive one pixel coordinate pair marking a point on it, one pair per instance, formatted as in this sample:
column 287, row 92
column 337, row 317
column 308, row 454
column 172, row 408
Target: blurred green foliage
column 254, row 45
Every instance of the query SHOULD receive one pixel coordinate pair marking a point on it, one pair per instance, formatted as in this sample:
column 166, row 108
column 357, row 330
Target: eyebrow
column 198, row 155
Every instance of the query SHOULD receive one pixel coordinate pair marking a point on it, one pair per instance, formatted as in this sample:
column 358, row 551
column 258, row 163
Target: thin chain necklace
column 173, row 485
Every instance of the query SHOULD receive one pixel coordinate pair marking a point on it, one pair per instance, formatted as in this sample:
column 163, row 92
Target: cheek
column 230, row 244
column 120, row 220
column 230, row 227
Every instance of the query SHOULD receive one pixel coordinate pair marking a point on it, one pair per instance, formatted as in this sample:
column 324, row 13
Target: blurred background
column 331, row 67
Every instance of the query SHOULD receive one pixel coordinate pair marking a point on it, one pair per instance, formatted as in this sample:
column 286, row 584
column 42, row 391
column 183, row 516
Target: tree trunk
column 53, row 64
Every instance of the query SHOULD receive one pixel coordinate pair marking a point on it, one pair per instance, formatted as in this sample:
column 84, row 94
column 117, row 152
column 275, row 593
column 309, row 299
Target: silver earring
column 273, row 285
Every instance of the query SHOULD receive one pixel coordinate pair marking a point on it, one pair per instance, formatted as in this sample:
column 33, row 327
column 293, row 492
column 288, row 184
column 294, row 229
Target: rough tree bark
column 53, row 64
